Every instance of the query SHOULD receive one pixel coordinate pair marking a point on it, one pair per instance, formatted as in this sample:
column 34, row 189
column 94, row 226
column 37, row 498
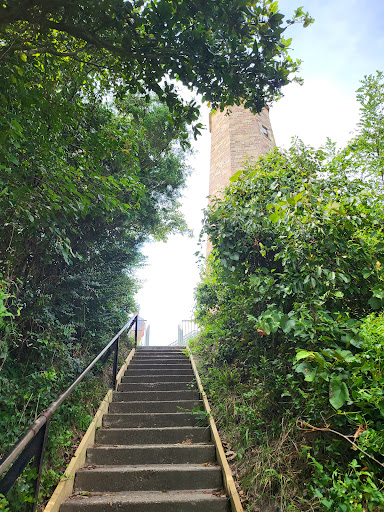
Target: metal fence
column 186, row 330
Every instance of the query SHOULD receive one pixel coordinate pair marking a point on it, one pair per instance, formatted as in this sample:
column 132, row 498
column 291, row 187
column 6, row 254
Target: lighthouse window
column 264, row 129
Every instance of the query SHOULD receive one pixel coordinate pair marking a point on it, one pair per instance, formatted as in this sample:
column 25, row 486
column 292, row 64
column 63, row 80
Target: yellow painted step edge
column 64, row 488
column 229, row 483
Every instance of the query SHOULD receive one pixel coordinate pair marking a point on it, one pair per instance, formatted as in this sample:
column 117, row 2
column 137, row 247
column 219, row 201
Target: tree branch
column 307, row 427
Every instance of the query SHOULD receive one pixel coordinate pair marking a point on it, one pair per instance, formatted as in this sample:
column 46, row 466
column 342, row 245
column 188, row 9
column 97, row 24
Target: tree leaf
column 236, row 176
column 375, row 302
column 301, row 354
column 275, row 217
column 308, row 371
column 288, row 325
column 338, row 392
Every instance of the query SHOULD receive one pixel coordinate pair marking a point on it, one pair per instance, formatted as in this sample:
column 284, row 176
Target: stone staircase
column 152, row 454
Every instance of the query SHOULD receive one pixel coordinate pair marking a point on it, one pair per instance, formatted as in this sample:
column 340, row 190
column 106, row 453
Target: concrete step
column 152, row 454
column 158, row 477
column 142, row 365
column 157, row 378
column 160, row 355
column 164, row 435
column 160, row 348
column 152, row 420
column 156, row 386
column 139, row 396
column 155, row 501
column 165, row 353
column 160, row 360
column 153, row 372
column 155, row 406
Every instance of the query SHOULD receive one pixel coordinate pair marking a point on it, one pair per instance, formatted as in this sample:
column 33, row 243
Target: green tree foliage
column 80, row 195
column 227, row 51
column 292, row 304
column 84, row 181
column 370, row 139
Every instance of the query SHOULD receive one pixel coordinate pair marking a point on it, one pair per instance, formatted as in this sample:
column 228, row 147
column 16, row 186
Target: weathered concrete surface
column 167, row 435
column 176, row 377
column 139, row 396
column 163, row 366
column 175, row 501
column 152, row 454
column 157, row 477
column 156, row 386
column 151, row 420
column 156, row 406
column 137, row 371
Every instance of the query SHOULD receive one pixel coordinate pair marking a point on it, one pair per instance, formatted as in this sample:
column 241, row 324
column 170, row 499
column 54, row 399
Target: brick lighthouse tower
column 236, row 137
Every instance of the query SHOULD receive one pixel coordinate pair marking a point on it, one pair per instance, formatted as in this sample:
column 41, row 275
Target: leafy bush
column 291, row 338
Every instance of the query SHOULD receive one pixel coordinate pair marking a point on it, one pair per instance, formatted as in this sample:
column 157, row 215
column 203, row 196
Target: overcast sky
column 345, row 43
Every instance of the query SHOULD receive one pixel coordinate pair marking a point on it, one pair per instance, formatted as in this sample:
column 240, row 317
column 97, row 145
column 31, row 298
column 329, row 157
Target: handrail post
column 115, row 363
column 136, row 331
column 39, row 460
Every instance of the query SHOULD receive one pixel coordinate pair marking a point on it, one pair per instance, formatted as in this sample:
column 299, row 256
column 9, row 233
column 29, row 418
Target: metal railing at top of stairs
column 186, row 330
column 33, row 442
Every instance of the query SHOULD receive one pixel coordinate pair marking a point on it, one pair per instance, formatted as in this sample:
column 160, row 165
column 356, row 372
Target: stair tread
column 156, row 386
column 155, row 406
column 147, row 477
column 156, row 383
column 158, row 392
column 152, row 428
column 163, row 364
column 152, row 395
column 150, row 496
column 160, row 401
column 167, row 375
column 150, row 446
column 158, row 357
column 129, row 468
column 161, row 356
column 148, row 413
column 172, row 371
column 163, row 414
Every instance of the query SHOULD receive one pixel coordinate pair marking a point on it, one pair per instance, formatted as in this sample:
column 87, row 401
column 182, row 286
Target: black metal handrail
column 33, row 442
